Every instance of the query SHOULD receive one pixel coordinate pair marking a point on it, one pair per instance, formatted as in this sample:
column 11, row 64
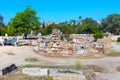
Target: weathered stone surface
column 96, row 76
column 35, row 71
column 69, row 76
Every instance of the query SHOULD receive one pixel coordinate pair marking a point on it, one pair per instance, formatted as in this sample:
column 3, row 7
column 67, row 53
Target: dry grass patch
column 32, row 59
column 113, row 53
column 17, row 75
column 95, row 68
column 87, row 69
column 92, row 56
column 21, row 76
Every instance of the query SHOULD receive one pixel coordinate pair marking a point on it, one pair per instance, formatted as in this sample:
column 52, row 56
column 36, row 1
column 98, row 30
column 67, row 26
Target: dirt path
column 18, row 55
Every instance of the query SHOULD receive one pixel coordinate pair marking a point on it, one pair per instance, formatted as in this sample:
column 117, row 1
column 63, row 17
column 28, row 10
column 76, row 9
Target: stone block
column 35, row 71
column 4, row 69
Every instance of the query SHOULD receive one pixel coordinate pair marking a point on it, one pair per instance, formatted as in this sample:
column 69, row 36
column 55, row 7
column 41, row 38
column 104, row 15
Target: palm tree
column 80, row 18
column 72, row 22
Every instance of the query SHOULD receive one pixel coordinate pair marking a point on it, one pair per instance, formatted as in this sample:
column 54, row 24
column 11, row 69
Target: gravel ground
column 17, row 55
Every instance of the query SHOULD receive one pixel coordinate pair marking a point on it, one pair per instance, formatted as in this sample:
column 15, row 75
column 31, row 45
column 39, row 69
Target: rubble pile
column 81, row 44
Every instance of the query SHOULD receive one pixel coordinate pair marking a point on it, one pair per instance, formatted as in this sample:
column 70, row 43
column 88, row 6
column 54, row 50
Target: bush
column 118, row 39
column 98, row 35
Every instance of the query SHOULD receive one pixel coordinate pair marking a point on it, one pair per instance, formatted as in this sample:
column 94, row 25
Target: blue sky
column 61, row 10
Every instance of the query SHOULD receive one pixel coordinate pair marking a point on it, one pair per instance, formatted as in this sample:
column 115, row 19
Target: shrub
column 118, row 39
column 98, row 34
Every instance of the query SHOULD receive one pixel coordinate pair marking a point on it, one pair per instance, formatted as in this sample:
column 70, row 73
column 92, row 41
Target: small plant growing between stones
column 78, row 65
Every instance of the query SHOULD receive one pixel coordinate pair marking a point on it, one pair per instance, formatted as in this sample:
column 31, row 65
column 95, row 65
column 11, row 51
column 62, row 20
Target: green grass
column 30, row 59
column 78, row 65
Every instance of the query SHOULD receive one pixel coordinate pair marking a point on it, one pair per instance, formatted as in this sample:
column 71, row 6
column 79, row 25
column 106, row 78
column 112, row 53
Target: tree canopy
column 24, row 21
column 88, row 29
column 88, row 26
column 90, row 21
column 1, row 21
column 112, row 23
column 63, row 26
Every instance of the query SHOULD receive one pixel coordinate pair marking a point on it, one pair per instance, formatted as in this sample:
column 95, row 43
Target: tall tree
column 25, row 21
column 79, row 24
column 66, row 28
column 43, row 25
column 90, row 21
column 80, row 17
column 112, row 23
column 89, row 26
column 72, row 22
column 2, row 25
column 1, row 21
column 88, row 29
